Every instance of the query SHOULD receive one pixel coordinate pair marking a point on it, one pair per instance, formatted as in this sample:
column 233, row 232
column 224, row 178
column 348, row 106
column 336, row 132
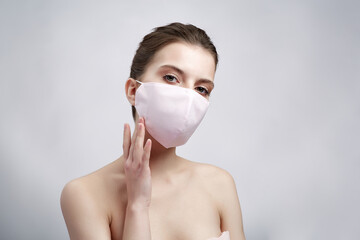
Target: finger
column 133, row 139
column 139, row 143
column 134, row 135
column 126, row 140
column 147, row 152
column 143, row 122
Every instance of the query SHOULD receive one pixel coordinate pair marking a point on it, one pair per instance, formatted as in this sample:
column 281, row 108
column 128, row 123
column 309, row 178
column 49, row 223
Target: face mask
column 171, row 113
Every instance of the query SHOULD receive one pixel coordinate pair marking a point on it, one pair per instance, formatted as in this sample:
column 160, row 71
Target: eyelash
column 202, row 90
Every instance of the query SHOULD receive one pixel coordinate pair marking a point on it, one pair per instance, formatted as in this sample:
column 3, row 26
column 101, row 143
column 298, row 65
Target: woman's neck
column 163, row 161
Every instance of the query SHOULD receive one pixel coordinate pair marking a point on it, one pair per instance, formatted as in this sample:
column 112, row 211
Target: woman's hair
column 162, row 36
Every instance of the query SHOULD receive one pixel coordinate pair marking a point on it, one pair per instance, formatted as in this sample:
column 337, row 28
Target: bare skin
column 150, row 192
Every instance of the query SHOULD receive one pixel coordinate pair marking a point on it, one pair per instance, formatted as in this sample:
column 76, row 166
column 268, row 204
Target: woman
column 150, row 192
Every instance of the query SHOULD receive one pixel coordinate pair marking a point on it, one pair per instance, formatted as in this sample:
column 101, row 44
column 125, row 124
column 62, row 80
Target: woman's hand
column 136, row 166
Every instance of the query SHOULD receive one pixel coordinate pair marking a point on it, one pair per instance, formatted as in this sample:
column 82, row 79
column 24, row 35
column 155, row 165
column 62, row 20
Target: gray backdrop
column 284, row 116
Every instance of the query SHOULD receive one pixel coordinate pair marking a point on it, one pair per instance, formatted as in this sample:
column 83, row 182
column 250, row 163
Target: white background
column 284, row 115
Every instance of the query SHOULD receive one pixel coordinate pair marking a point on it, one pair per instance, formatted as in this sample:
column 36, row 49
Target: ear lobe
column 130, row 90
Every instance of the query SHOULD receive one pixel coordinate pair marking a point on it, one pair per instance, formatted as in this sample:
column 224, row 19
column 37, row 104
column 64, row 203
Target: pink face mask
column 171, row 113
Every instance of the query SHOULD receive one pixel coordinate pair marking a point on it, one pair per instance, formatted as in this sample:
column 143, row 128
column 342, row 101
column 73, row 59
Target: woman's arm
column 83, row 216
column 231, row 217
column 138, row 183
column 137, row 224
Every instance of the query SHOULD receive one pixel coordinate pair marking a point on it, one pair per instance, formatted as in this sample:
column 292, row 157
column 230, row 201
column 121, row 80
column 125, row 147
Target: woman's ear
column 130, row 90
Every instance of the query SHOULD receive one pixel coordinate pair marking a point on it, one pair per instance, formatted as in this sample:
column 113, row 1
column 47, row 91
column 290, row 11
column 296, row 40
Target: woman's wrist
column 137, row 207
column 137, row 222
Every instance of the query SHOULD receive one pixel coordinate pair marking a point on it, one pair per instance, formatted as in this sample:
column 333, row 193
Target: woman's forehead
column 191, row 59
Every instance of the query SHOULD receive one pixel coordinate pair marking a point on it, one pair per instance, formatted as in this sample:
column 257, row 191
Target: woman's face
column 184, row 65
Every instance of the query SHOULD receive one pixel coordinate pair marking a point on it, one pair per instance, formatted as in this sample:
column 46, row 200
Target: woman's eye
column 202, row 91
column 170, row 78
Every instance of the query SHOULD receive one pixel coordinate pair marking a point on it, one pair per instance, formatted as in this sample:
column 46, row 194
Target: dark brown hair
column 162, row 36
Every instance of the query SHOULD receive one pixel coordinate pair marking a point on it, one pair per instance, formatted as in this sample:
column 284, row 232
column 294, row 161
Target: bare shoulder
column 216, row 181
column 95, row 187
column 83, row 214
column 214, row 176
column 221, row 186
column 82, row 188
column 84, row 203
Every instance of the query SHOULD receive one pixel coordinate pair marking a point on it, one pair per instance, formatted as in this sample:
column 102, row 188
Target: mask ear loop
column 139, row 83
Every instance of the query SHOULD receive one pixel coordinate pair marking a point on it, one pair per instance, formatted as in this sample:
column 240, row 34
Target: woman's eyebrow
column 206, row 81
column 174, row 68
